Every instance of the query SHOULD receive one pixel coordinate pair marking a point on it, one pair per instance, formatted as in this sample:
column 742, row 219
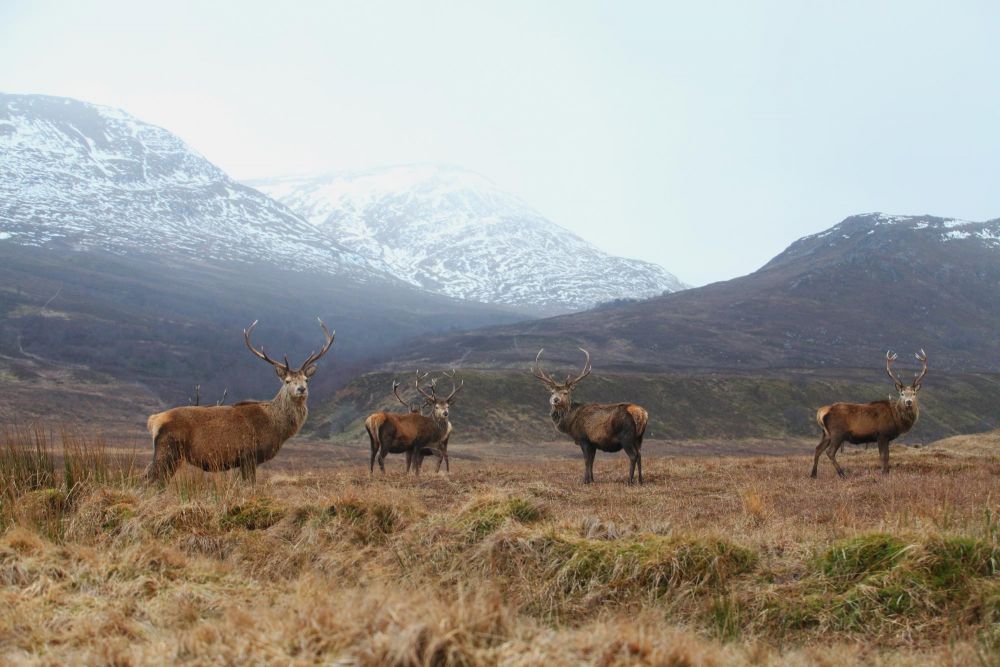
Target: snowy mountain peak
column 83, row 176
column 454, row 231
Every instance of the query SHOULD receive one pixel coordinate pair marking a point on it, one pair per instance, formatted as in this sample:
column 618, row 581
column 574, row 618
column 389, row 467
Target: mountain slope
column 836, row 299
column 78, row 175
column 454, row 232
column 750, row 358
column 129, row 258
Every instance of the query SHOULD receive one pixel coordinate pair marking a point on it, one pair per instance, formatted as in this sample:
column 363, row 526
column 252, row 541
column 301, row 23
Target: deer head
column 296, row 382
column 561, row 392
column 439, row 406
column 907, row 393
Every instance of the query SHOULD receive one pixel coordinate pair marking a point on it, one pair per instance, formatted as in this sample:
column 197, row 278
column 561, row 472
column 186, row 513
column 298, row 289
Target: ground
column 716, row 560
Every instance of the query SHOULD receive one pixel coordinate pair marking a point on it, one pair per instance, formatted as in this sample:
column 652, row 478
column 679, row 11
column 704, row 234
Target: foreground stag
column 413, row 434
column 880, row 421
column 242, row 435
column 609, row 427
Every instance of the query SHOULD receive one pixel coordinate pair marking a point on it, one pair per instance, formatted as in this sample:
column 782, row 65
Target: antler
column 395, row 391
column 454, row 389
column 537, row 371
column 890, row 357
column 922, row 358
column 584, row 373
column 314, row 357
column 260, row 353
column 431, row 397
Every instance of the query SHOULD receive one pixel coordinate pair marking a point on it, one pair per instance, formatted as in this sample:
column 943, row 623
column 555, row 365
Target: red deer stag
column 412, row 434
column 609, row 427
column 242, row 435
column 879, row 421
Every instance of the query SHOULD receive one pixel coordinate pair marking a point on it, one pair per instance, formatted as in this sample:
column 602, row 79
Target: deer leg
column 883, row 452
column 166, row 458
column 831, row 451
column 633, row 459
column 409, row 461
column 381, row 459
column 638, row 461
column 589, row 453
column 248, row 468
column 820, row 448
column 371, row 464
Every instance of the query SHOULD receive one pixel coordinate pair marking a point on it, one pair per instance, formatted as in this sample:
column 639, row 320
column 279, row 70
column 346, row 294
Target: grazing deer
column 609, row 427
column 412, row 434
column 879, row 421
column 242, row 435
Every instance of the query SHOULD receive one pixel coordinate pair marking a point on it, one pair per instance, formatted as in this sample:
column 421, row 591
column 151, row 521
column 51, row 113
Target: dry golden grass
column 714, row 561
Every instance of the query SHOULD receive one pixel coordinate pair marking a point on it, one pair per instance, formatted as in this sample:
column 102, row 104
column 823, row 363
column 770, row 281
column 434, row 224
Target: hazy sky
column 705, row 136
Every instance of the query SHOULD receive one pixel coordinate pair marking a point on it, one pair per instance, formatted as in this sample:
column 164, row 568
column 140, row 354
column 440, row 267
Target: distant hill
column 837, row 299
column 755, row 356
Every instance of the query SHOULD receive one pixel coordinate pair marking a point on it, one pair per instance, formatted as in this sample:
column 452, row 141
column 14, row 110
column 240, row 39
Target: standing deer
column 609, row 427
column 412, row 434
column 242, row 435
column 879, row 421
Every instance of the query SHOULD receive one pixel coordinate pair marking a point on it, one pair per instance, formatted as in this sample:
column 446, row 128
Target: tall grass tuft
column 42, row 472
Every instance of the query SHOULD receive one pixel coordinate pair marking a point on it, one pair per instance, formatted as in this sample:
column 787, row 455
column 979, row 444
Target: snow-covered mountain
column 82, row 176
column 455, row 232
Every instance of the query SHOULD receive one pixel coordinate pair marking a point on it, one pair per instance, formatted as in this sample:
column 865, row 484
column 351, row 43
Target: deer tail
column 155, row 423
column 640, row 417
column 821, row 418
column 372, row 425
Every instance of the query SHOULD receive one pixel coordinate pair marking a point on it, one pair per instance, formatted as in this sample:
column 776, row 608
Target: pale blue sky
column 703, row 136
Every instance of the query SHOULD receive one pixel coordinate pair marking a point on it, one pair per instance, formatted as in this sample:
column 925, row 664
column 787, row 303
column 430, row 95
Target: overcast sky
column 705, row 136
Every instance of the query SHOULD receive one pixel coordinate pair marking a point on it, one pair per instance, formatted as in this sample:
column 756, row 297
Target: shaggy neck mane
column 288, row 413
column 905, row 417
column 562, row 418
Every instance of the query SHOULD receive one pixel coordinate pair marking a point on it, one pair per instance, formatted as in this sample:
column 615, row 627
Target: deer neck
column 563, row 418
column 905, row 417
column 287, row 414
column 443, row 427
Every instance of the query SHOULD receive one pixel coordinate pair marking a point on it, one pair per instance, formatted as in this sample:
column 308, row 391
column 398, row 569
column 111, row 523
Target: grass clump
column 255, row 514
column 862, row 556
column 485, row 517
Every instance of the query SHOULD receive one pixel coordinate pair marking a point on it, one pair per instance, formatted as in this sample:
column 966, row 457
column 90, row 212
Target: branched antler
column 922, row 358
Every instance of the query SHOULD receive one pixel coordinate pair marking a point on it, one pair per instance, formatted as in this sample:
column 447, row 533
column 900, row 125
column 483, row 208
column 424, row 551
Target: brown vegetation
column 714, row 562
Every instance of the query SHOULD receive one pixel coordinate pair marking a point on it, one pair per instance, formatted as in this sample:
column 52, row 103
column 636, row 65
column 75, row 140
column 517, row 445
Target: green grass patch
column 255, row 514
column 485, row 517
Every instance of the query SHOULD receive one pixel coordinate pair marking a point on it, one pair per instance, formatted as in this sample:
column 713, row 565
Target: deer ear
column 281, row 372
column 311, row 370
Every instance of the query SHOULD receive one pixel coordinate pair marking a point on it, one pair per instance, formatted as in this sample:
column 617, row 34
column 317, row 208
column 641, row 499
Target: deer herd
column 248, row 433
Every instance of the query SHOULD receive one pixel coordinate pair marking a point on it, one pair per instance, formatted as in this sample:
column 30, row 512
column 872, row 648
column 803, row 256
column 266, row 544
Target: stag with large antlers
column 880, row 421
column 413, row 434
column 609, row 427
column 242, row 435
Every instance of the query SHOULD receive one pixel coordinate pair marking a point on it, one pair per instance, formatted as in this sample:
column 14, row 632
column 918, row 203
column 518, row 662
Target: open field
column 714, row 561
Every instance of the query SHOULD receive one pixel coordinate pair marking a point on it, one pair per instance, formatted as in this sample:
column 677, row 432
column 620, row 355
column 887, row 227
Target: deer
column 413, row 434
column 245, row 434
column 879, row 421
column 609, row 427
